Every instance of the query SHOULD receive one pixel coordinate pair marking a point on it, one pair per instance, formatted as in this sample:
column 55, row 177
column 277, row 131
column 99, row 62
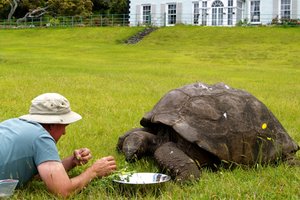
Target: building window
column 230, row 12
column 217, row 13
column 239, row 4
column 285, row 9
column 172, row 14
column 146, row 14
column 196, row 13
column 255, row 11
column 204, row 13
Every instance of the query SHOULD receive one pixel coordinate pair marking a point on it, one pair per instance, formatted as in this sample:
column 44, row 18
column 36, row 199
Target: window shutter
column 179, row 13
column 276, row 11
column 163, row 15
column 138, row 17
column 153, row 14
column 294, row 10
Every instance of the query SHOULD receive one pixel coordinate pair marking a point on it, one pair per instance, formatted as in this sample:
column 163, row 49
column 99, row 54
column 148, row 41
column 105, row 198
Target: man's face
column 57, row 130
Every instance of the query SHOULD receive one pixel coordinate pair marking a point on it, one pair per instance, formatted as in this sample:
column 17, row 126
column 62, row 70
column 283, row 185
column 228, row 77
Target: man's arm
column 58, row 182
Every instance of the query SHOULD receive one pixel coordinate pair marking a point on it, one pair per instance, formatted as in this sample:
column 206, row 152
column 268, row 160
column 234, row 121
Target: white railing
column 152, row 20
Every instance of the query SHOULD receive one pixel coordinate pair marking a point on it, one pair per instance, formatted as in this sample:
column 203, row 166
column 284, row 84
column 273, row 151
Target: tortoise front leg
column 176, row 162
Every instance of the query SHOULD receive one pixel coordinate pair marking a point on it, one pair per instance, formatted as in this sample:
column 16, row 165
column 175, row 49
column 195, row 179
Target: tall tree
column 18, row 8
column 33, row 8
column 71, row 8
column 119, row 6
column 3, row 3
column 13, row 6
column 30, row 8
column 100, row 6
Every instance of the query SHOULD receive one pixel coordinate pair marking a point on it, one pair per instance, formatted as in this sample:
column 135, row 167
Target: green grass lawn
column 112, row 85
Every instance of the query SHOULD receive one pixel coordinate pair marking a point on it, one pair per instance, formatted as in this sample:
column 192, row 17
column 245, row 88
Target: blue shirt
column 23, row 146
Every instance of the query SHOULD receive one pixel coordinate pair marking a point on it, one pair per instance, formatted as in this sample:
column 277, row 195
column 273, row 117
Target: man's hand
column 104, row 166
column 82, row 156
column 79, row 157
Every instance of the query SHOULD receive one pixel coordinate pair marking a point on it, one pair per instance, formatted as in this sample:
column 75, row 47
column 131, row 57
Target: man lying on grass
column 28, row 147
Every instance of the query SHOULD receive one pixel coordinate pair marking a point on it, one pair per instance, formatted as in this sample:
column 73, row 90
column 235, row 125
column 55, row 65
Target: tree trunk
column 13, row 7
column 38, row 12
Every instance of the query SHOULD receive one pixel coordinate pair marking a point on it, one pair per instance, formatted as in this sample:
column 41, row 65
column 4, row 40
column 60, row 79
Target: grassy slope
column 112, row 85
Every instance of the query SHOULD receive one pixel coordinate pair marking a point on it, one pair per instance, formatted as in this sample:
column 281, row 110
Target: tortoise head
column 137, row 143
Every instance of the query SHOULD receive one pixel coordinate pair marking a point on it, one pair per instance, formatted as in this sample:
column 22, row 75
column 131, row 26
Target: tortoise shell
column 229, row 123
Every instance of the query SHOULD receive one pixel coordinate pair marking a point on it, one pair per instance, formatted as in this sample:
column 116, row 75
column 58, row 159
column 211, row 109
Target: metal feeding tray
column 142, row 178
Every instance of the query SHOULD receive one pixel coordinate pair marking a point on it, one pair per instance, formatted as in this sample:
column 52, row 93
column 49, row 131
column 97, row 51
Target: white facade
column 211, row 12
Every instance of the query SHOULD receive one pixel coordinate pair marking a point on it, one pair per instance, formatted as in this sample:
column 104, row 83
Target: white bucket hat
column 51, row 108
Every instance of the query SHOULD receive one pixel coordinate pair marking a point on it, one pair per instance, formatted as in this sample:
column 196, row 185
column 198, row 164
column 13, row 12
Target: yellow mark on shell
column 264, row 126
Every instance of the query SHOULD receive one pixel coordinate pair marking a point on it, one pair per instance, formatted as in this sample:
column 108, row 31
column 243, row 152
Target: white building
column 211, row 12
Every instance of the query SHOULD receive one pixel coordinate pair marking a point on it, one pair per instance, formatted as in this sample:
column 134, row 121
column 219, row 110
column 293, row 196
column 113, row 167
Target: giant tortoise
column 201, row 125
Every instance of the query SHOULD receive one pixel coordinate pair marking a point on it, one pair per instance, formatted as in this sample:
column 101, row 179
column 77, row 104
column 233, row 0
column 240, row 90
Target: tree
column 71, row 8
column 119, row 6
column 3, row 8
column 100, row 6
column 37, row 12
column 3, row 3
column 13, row 6
column 35, row 8
column 31, row 8
column 19, row 7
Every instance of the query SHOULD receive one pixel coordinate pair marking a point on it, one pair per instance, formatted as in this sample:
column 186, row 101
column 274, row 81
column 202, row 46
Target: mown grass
column 113, row 84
